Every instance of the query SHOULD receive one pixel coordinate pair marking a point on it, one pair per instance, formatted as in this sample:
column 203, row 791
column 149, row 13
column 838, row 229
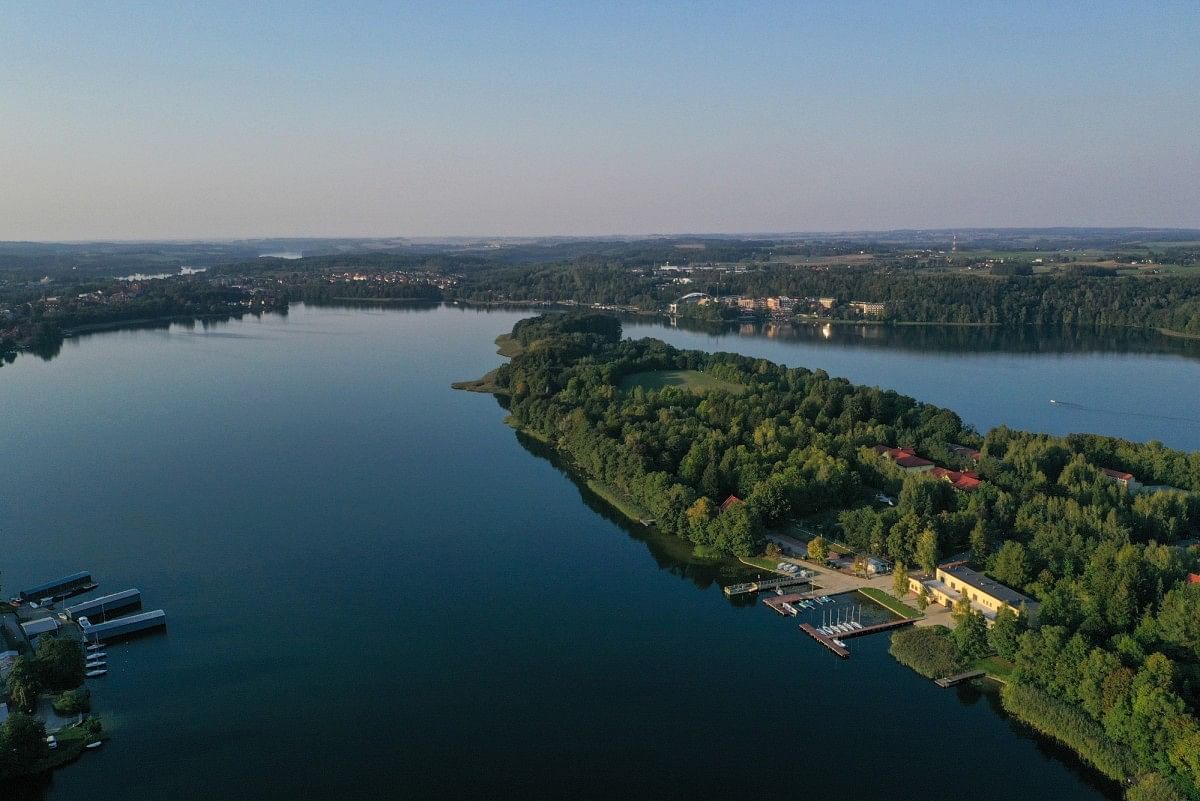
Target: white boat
column 95, row 646
column 1052, row 400
column 791, row 610
column 97, row 655
column 93, row 746
column 92, row 674
column 839, row 642
column 856, row 624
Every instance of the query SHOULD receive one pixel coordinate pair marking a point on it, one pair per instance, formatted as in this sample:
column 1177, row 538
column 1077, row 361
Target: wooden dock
column 766, row 584
column 825, row 640
column 888, row 626
column 958, row 678
column 777, row 602
column 829, row 640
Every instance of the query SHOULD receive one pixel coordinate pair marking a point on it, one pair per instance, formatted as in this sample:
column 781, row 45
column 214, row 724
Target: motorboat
column 92, row 674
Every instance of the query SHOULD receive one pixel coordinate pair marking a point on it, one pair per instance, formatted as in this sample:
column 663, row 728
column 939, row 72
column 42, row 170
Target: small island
column 1065, row 567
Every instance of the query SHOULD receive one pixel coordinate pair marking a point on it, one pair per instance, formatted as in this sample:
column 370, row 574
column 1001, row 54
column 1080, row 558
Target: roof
column 965, row 480
column 973, row 578
column 1117, row 474
column 1193, row 578
column 963, row 450
column 730, row 501
column 39, row 626
column 904, row 457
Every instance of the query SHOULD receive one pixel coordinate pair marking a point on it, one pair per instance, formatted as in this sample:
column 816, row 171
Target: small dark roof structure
column 1117, row 474
column 973, row 578
column 732, row 500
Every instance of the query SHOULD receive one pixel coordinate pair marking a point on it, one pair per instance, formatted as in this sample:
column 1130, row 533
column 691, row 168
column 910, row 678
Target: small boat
column 92, row 674
column 1052, row 400
column 97, row 655
column 95, row 646
column 92, row 746
column 839, row 642
column 856, row 624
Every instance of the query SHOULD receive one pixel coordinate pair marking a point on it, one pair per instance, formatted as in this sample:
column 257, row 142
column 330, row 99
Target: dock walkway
column 958, row 678
column 826, row 640
column 766, row 584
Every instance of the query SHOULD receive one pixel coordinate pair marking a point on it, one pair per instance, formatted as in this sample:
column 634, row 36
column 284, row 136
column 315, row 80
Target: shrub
column 929, row 650
column 73, row 702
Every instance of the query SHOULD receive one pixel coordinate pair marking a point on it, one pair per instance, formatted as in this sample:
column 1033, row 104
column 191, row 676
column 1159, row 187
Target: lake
column 376, row 589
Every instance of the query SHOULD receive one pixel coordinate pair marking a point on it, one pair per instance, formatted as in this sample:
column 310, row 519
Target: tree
column 1011, row 565
column 23, row 741
column 817, row 549
column 971, row 636
column 900, row 580
column 59, row 663
column 927, row 550
column 980, row 542
column 1004, row 633
column 23, row 684
column 923, row 598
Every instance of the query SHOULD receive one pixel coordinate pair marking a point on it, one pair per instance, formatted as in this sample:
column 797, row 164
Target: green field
column 883, row 599
column 687, row 379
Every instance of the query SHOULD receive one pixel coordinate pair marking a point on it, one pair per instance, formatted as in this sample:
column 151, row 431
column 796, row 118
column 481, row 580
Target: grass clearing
column 892, row 604
column 762, row 563
column 693, row 380
column 996, row 667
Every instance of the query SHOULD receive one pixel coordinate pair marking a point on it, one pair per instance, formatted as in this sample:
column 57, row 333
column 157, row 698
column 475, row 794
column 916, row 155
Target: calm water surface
column 376, row 590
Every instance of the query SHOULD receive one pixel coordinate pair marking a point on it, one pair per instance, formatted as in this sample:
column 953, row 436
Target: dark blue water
column 375, row 589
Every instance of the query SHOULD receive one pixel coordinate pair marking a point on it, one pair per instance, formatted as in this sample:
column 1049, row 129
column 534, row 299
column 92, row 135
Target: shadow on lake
column 672, row 554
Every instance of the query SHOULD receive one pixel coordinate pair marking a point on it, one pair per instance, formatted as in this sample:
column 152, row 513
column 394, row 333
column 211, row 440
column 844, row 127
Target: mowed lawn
column 688, row 379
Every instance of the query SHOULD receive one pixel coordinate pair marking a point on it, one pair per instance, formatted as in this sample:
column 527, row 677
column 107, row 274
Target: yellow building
column 952, row 581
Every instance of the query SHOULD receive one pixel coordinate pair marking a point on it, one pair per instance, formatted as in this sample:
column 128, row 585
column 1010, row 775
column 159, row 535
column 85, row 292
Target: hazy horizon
column 133, row 123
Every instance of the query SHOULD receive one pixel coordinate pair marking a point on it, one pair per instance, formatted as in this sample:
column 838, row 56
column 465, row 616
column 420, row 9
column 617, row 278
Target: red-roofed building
column 1126, row 480
column 1193, row 578
column 963, row 480
column 905, row 458
column 732, row 500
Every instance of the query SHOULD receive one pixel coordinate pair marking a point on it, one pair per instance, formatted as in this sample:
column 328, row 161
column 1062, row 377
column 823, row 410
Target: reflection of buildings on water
column 871, row 332
column 748, row 329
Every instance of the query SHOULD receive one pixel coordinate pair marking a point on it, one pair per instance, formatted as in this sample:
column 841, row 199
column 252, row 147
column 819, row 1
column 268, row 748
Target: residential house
column 904, row 458
column 1125, row 480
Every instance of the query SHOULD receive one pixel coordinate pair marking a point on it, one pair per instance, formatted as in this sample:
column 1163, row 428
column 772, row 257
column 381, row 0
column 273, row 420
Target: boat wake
column 1123, row 413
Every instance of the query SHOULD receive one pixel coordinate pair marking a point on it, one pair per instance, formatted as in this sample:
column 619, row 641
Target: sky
column 229, row 120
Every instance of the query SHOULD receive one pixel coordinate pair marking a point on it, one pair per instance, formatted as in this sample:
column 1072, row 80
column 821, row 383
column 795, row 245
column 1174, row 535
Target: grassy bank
column 997, row 668
column 505, row 346
column 892, row 604
column 761, row 563
column 618, row 500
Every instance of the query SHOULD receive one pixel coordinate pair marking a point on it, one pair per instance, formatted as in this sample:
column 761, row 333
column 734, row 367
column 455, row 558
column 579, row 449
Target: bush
column 929, row 650
column 73, row 702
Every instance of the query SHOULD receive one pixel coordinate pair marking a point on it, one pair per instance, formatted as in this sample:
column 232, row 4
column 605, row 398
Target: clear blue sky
column 243, row 119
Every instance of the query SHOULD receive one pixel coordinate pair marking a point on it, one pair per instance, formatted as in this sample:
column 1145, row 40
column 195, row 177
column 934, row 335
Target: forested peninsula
column 720, row 449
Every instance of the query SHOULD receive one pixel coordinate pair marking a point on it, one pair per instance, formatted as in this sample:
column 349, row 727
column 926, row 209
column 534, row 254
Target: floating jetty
column 106, row 604
column 767, row 584
column 122, row 626
column 826, row 640
column 833, row 643
column 958, row 678
column 68, row 585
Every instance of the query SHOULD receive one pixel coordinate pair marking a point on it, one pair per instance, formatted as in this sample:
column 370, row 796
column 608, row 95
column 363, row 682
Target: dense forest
column 1115, row 651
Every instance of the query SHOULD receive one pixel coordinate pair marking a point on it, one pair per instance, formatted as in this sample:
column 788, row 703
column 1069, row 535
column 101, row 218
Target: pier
column 958, row 678
column 826, row 640
column 831, row 642
column 766, row 584
column 887, row 626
